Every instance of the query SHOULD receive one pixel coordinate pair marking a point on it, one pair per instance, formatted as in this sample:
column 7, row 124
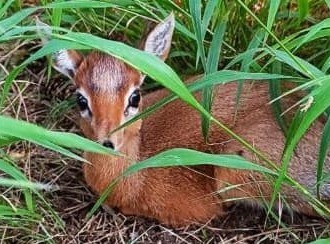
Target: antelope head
column 108, row 90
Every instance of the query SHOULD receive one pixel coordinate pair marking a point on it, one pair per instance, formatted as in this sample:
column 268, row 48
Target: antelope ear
column 67, row 62
column 159, row 39
column 64, row 61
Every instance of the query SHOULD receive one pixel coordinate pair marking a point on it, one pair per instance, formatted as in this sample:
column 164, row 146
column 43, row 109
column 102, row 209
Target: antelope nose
column 108, row 144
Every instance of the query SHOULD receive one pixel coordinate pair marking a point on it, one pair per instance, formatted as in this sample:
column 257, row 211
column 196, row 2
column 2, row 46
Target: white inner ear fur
column 64, row 63
column 159, row 40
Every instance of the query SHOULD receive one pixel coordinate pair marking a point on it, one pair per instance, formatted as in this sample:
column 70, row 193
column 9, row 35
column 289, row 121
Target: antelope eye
column 82, row 102
column 134, row 99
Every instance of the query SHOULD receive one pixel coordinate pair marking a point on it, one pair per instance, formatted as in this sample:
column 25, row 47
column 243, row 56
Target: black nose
column 108, row 144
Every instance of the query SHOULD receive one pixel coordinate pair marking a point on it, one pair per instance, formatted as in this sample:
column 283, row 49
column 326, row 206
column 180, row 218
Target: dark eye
column 82, row 102
column 134, row 99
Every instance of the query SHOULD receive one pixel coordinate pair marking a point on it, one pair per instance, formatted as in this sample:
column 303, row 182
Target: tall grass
column 251, row 40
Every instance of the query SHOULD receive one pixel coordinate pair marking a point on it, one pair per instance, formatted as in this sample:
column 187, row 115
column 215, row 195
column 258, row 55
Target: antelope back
column 180, row 126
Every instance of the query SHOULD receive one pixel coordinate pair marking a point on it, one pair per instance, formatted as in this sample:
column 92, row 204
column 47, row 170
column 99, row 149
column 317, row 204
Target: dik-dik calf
column 108, row 94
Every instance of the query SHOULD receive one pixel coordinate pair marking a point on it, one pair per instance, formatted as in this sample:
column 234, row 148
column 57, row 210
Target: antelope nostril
column 108, row 144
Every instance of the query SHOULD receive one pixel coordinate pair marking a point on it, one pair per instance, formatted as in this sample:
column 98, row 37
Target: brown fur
column 181, row 195
column 255, row 123
column 174, row 196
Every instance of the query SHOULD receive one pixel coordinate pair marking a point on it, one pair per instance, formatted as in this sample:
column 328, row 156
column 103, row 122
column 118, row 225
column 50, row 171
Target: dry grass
column 32, row 99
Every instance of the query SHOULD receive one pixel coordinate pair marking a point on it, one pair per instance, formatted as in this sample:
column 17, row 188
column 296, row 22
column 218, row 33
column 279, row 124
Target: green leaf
column 303, row 8
column 12, row 171
column 182, row 157
column 328, row 3
column 273, row 8
column 49, row 139
column 275, row 92
column 313, row 31
column 212, row 66
column 213, row 56
column 13, row 20
column 195, row 7
column 208, row 14
column 323, row 152
column 302, row 121
column 188, row 157
column 24, row 184
column 216, row 78
column 5, row 7
column 321, row 241
column 285, row 58
column 246, row 61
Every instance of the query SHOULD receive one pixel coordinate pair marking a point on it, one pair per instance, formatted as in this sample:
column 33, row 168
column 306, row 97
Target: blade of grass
column 275, row 92
column 301, row 122
column 303, row 8
column 323, row 152
column 11, row 170
column 287, row 51
column 195, row 7
column 246, row 61
column 23, row 184
column 212, row 66
column 216, row 78
column 49, row 139
column 181, row 157
column 285, row 58
column 272, row 11
column 5, row 7
column 208, row 14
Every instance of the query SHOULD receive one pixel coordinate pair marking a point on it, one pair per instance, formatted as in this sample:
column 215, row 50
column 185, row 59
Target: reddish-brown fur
column 181, row 195
column 255, row 123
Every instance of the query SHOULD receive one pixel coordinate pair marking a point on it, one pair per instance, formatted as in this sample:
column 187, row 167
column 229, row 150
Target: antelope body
column 108, row 95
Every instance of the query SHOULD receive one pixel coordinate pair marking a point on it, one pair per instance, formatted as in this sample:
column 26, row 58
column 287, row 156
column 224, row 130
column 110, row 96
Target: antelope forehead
column 107, row 79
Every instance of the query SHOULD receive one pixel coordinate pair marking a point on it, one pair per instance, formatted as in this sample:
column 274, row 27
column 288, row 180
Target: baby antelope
column 108, row 94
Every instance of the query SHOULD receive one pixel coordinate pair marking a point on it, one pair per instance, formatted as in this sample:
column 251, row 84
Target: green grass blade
column 323, row 151
column 326, row 65
column 13, row 20
column 328, row 3
column 275, row 92
column 313, row 31
column 145, row 62
column 301, row 122
column 23, row 184
column 188, row 157
column 208, row 14
column 49, row 139
column 272, row 11
column 216, row 78
column 321, row 241
column 285, row 58
column 246, row 62
column 90, row 4
column 212, row 66
column 5, row 7
column 286, row 50
column 12, row 171
column 213, row 56
column 303, row 8
column 195, row 7
column 182, row 157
